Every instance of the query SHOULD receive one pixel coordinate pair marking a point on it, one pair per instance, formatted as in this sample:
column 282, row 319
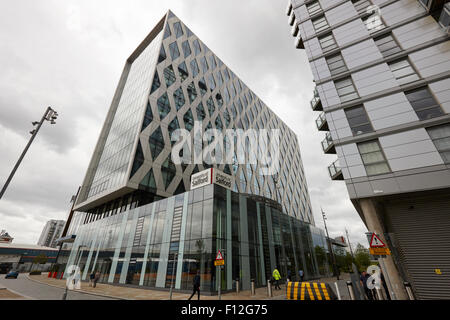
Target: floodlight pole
column 49, row 115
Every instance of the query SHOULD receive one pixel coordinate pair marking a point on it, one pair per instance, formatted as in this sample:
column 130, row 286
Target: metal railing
column 321, row 120
column 327, row 143
column 315, row 100
column 334, row 170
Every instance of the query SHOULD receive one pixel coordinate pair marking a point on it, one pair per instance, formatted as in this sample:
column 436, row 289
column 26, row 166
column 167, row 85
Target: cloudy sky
column 69, row 54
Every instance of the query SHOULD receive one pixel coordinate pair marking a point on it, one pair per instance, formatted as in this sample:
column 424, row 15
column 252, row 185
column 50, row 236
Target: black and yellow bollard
column 309, row 291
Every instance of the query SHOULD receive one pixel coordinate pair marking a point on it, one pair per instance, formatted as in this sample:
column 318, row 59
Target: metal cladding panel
column 422, row 238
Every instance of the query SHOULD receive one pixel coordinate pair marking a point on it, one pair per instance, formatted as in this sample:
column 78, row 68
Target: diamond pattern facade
column 189, row 83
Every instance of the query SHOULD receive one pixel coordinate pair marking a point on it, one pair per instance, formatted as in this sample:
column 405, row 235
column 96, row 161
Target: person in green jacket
column 277, row 277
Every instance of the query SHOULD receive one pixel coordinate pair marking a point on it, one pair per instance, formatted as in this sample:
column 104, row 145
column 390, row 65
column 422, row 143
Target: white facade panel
column 374, row 79
column 441, row 91
column 325, row 4
column 432, row 60
column 417, row 32
column 417, row 161
column 340, row 13
column 404, row 138
column 301, row 13
column 400, row 11
column 349, row 32
column 361, row 53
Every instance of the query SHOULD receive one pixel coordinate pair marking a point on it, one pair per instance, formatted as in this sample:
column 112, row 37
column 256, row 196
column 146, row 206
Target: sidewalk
column 128, row 293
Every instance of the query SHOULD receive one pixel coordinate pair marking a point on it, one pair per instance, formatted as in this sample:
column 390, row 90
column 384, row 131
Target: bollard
column 237, row 286
column 269, row 288
column 337, row 291
column 409, row 290
column 252, row 282
column 64, row 297
column 379, row 294
column 350, row 290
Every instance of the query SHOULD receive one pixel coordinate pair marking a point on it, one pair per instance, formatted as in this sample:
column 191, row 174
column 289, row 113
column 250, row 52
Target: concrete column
column 373, row 223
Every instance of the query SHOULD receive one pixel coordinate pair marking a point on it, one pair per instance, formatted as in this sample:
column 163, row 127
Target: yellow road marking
column 296, row 291
column 302, row 294
column 308, row 287
column 325, row 291
column 316, row 288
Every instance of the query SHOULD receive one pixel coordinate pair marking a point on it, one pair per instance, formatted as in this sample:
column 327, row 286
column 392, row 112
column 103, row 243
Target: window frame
column 380, row 150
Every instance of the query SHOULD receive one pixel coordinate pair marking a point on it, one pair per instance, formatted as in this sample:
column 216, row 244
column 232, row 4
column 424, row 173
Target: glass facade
column 172, row 82
column 167, row 241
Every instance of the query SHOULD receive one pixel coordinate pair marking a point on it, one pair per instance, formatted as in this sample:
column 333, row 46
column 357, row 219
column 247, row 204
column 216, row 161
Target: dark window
column 358, row 120
column 387, row 45
column 423, row 103
column 186, row 48
column 373, row 158
column 178, row 29
column 403, row 71
column 182, row 70
column 178, row 96
column 174, row 51
column 336, row 64
column 169, row 76
column 313, row 8
column 194, row 68
column 361, row 5
column 320, row 24
column 197, row 48
column 346, row 90
column 441, row 138
column 327, row 42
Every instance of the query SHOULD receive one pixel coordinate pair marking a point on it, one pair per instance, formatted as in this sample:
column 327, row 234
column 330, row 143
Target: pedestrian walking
column 196, row 285
column 289, row 276
column 96, row 278
column 277, row 277
column 364, row 277
column 301, row 275
column 91, row 278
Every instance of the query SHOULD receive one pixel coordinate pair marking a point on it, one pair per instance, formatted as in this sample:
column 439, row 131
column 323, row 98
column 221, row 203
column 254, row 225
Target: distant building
column 52, row 231
column 5, row 237
column 340, row 246
column 21, row 257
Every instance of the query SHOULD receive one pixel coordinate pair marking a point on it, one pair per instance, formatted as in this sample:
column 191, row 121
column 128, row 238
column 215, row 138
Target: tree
column 362, row 257
column 40, row 259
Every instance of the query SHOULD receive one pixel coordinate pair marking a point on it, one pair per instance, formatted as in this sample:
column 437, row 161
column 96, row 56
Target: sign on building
column 210, row 176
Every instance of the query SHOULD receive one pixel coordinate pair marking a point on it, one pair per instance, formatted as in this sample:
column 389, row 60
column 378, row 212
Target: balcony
column 289, row 8
column 328, row 144
column 299, row 42
column 315, row 102
column 295, row 29
column 335, row 171
column 292, row 18
column 322, row 123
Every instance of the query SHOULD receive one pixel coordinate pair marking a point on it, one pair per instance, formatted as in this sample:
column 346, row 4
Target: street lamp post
column 336, row 271
column 49, row 115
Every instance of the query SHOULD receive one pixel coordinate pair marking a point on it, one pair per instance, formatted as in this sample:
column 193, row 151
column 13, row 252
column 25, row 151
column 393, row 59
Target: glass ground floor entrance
column 169, row 241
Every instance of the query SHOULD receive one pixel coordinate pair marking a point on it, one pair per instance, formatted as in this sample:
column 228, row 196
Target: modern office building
column 381, row 70
column 52, row 231
column 137, row 211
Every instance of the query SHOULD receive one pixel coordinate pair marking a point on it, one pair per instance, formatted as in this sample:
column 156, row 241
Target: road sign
column 380, row 251
column 219, row 256
column 219, row 263
column 375, row 242
column 219, row 259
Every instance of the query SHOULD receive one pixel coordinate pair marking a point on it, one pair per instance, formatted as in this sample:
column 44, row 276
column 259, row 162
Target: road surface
column 37, row 291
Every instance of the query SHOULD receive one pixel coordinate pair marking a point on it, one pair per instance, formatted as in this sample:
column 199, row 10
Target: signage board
column 380, row 251
column 210, row 176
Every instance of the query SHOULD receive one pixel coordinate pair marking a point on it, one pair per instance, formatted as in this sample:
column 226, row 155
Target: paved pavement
column 28, row 289
column 133, row 293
